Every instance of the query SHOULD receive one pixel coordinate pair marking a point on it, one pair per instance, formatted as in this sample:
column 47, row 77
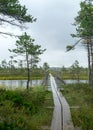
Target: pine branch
column 12, row 23
column 9, row 34
column 69, row 48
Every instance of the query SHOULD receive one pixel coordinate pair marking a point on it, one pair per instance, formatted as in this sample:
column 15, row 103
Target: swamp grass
column 18, row 78
column 25, row 110
column 69, row 76
column 80, row 99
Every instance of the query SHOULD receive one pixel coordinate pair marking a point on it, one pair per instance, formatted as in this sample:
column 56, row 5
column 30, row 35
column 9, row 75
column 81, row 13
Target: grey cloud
column 53, row 28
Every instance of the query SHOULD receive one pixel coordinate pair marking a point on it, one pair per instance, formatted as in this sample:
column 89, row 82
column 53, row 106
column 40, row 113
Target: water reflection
column 75, row 81
column 18, row 83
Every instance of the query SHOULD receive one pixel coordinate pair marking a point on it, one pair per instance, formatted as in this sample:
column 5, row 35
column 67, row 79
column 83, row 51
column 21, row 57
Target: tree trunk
column 31, row 69
column 28, row 76
column 28, row 72
column 90, row 62
column 89, row 66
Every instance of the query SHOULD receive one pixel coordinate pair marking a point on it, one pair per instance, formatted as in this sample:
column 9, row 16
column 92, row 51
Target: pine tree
column 84, row 31
column 13, row 13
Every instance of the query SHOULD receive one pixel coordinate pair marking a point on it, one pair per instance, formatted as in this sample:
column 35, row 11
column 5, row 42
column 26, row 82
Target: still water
column 75, row 81
column 18, row 83
column 22, row 83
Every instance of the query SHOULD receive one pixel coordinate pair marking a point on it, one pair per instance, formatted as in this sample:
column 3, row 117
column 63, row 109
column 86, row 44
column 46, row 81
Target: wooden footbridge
column 61, row 115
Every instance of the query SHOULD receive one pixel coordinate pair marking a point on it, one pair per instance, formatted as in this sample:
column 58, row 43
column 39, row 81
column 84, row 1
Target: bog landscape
column 46, row 86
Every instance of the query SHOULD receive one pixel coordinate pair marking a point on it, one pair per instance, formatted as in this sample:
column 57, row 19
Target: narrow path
column 57, row 114
column 61, row 115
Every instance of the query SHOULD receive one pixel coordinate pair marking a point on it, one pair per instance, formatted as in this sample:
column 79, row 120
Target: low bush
column 79, row 97
column 22, row 110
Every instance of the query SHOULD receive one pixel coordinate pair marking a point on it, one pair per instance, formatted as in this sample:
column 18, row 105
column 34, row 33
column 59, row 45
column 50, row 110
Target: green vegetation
column 80, row 99
column 20, row 73
column 25, row 110
column 84, row 33
column 25, row 47
column 70, row 76
column 14, row 14
column 19, row 78
column 75, row 71
column 72, row 72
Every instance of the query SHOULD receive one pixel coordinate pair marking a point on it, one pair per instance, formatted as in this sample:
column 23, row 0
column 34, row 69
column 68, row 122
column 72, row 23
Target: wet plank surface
column 57, row 114
column 61, row 115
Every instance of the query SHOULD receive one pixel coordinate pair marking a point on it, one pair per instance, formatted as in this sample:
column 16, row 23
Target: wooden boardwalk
column 61, row 115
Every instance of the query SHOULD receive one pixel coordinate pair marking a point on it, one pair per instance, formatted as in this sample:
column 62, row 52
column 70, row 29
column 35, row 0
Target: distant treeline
column 73, row 72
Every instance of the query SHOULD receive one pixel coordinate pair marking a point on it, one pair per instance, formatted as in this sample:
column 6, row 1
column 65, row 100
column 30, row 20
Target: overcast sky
column 52, row 31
